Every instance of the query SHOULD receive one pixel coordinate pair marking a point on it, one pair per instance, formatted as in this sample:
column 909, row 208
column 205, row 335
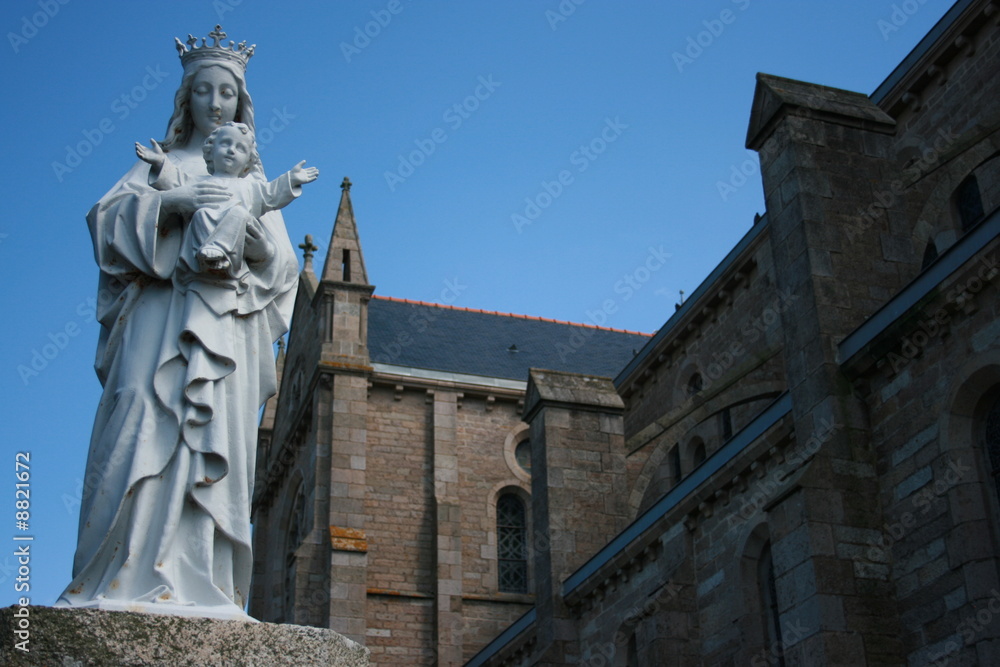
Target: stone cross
column 308, row 248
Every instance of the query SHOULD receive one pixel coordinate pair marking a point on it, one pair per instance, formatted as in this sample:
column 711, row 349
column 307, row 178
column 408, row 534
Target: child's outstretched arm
column 300, row 174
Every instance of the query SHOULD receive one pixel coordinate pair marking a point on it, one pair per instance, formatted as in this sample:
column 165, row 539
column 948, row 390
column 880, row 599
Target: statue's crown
column 236, row 53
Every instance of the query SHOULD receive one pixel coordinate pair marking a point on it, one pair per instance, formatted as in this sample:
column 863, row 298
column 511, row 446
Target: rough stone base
column 88, row 637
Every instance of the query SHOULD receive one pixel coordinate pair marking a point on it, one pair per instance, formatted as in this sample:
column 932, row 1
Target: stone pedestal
column 92, row 638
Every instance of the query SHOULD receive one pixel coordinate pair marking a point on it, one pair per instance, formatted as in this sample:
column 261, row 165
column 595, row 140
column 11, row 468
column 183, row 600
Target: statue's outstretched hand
column 154, row 156
column 301, row 174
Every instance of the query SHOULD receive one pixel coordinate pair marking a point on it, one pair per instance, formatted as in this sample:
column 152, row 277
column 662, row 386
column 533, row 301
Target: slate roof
column 500, row 345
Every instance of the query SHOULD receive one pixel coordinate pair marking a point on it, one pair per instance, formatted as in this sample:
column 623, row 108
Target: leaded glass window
column 512, row 545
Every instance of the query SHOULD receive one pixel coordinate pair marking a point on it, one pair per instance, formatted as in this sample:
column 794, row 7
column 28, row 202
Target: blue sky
column 534, row 155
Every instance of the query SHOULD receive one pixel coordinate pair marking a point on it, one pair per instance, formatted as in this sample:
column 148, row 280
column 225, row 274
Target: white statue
column 217, row 233
column 185, row 360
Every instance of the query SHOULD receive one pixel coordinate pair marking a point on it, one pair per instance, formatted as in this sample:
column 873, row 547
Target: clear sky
column 531, row 156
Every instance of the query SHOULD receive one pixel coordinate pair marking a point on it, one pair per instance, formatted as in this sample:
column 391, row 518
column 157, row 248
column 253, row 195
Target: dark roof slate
column 460, row 340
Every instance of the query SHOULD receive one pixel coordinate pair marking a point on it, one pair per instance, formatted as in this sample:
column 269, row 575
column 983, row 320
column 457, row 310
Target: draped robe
column 185, row 364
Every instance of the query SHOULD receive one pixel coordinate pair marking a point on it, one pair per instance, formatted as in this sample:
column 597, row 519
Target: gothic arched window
column 512, row 544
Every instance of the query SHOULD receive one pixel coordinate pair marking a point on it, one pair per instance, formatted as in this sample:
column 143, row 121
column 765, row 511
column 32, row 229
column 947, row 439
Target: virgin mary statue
column 165, row 516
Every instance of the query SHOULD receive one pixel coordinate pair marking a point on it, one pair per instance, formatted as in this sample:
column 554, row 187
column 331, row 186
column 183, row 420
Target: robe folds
column 186, row 364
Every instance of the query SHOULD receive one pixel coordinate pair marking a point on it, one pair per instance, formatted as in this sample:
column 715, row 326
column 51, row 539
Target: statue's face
column 214, row 98
column 230, row 152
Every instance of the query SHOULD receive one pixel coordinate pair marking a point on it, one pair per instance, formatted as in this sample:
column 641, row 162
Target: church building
column 393, row 493
column 801, row 466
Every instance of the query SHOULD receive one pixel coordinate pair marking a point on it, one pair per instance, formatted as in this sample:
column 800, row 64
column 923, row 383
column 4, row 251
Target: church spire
column 344, row 261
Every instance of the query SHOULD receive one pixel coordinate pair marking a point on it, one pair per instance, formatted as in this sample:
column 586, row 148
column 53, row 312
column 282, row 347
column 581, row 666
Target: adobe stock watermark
column 93, row 479
column 753, row 500
column 388, row 353
column 604, row 654
column 121, row 107
column 898, row 17
column 562, row 12
column 6, row 570
column 30, row 25
column 278, row 122
column 454, row 115
column 879, row 549
column 792, row 632
column 364, row 34
column 932, row 327
column 627, row 286
column 751, row 329
column 223, row 7
column 739, row 175
column 967, row 630
column 581, row 159
column 886, row 197
column 59, row 340
column 702, row 40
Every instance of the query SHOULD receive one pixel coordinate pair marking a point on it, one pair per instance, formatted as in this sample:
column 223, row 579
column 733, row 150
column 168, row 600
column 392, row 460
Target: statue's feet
column 212, row 258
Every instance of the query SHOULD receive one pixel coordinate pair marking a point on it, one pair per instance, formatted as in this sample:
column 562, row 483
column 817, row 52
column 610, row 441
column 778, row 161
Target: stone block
column 90, row 637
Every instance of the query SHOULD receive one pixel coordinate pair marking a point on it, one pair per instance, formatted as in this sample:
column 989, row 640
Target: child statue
column 215, row 235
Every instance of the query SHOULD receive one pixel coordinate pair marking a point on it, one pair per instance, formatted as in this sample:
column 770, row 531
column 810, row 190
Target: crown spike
column 238, row 54
column 217, row 35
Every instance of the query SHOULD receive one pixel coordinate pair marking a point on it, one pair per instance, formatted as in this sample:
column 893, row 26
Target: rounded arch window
column 699, row 456
column 674, row 458
column 695, row 384
column 969, row 202
column 512, row 544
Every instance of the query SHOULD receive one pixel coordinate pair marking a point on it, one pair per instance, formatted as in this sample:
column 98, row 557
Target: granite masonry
column 800, row 467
